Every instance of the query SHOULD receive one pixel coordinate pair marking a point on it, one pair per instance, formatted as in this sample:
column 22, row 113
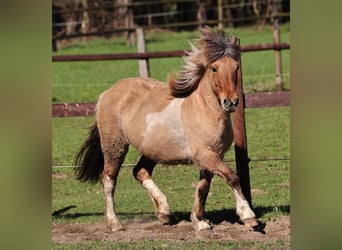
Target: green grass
column 268, row 135
column 166, row 244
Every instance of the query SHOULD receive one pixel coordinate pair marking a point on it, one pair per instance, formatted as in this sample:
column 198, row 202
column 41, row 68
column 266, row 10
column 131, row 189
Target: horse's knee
column 143, row 169
column 233, row 180
column 229, row 175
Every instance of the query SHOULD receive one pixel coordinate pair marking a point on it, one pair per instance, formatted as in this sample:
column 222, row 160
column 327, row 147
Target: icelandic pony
column 186, row 120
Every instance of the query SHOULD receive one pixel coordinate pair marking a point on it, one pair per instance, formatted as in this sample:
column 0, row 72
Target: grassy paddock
column 267, row 133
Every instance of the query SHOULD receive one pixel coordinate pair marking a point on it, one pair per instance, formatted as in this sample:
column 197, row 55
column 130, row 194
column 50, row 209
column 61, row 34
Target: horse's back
column 128, row 94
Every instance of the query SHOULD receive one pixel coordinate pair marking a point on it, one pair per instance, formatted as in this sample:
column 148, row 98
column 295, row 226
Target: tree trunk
column 201, row 13
column 85, row 18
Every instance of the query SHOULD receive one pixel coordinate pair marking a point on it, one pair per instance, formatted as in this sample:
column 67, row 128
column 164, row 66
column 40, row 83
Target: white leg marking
column 199, row 224
column 198, row 207
column 112, row 220
column 242, row 207
column 158, row 198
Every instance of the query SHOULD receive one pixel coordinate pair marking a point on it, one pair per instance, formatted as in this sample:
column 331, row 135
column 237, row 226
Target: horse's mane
column 212, row 46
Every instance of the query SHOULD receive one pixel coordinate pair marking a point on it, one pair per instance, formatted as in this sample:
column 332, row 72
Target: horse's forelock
column 214, row 45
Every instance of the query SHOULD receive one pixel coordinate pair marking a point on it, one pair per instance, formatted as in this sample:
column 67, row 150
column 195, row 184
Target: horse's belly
column 165, row 144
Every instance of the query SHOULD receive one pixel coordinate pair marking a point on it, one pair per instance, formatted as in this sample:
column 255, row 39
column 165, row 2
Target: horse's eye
column 213, row 69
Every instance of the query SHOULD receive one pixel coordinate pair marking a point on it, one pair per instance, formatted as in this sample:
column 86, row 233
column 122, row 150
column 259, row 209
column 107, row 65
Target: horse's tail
column 89, row 159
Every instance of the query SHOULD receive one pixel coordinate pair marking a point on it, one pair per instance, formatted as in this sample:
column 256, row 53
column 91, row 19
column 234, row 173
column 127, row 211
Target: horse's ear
column 233, row 40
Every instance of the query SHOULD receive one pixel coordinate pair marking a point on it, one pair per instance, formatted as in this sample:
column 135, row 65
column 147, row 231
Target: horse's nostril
column 229, row 103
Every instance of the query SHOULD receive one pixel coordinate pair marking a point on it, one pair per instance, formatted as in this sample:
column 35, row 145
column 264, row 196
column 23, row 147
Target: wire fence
column 108, row 17
column 227, row 161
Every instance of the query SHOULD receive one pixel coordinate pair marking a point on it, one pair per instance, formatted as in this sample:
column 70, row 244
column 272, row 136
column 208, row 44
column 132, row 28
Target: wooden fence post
column 144, row 69
column 240, row 138
column 277, row 53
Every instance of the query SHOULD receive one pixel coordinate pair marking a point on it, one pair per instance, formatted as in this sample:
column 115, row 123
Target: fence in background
column 108, row 18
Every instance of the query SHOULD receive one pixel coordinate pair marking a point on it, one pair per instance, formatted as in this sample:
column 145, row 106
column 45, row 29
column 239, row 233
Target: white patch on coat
column 170, row 118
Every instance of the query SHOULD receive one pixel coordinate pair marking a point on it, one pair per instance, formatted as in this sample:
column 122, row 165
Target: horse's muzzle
column 230, row 106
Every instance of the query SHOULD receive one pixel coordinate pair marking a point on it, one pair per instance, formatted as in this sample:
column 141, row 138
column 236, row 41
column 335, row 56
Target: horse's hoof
column 251, row 222
column 201, row 225
column 165, row 218
column 113, row 227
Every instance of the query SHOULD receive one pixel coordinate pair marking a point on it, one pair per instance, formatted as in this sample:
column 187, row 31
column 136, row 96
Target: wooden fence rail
column 251, row 100
column 158, row 54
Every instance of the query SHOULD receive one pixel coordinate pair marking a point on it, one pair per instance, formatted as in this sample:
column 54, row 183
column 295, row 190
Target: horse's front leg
column 215, row 165
column 201, row 194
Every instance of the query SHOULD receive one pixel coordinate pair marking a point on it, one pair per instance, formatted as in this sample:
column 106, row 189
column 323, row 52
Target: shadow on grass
column 61, row 214
column 214, row 216
column 218, row 216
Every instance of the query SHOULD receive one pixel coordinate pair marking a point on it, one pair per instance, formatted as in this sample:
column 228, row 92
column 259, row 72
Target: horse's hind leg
column 197, row 214
column 143, row 172
column 113, row 158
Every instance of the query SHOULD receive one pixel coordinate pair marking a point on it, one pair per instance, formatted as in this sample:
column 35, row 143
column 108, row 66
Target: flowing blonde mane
column 212, row 46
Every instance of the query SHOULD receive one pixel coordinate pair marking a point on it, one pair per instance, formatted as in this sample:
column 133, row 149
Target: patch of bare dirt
column 274, row 230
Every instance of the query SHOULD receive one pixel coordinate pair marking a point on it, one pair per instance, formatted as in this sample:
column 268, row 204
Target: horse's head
column 223, row 74
column 222, row 59
column 217, row 59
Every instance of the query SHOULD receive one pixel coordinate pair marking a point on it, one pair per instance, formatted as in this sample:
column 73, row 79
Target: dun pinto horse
column 186, row 120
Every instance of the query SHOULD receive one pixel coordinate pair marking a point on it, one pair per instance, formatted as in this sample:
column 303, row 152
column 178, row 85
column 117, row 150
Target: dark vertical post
column 240, row 138
column 54, row 45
